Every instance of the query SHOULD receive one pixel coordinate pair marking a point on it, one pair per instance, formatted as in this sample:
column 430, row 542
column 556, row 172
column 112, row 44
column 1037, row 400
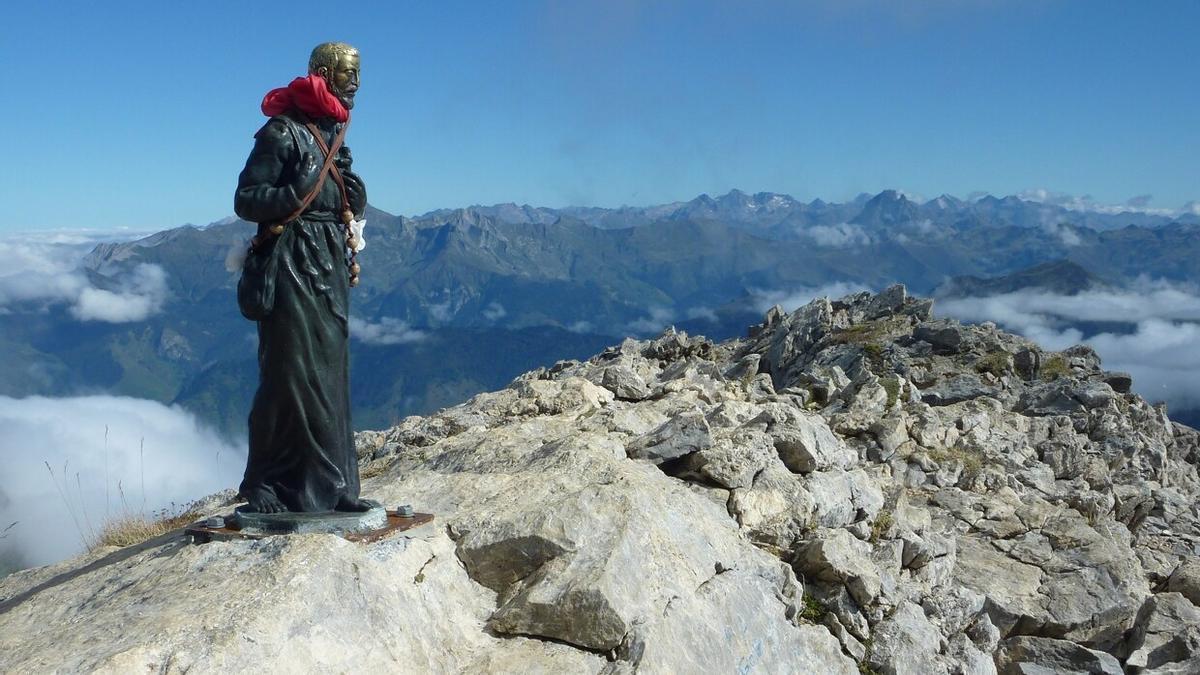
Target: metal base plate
column 321, row 522
column 393, row 522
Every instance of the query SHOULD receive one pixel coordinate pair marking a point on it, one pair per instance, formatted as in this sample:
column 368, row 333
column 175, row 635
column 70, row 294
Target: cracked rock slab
column 1027, row 654
column 300, row 603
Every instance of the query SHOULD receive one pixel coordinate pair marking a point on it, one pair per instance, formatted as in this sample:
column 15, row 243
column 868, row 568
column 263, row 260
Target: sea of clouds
column 72, row 464
column 68, row 465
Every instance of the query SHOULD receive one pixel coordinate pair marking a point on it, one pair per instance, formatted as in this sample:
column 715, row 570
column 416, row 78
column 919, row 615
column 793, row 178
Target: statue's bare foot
column 263, row 501
column 348, row 504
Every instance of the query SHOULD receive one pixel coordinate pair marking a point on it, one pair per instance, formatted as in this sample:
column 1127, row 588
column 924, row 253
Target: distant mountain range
column 458, row 301
column 778, row 216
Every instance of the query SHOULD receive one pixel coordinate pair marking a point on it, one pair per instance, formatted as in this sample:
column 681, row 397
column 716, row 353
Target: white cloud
column 41, row 287
column 1138, row 204
column 842, row 235
column 923, row 226
column 923, row 229
column 154, row 455
column 494, row 311
column 702, row 313
column 44, row 269
column 1159, row 349
column 581, row 327
column 1065, row 233
column 441, row 312
column 140, row 294
column 791, row 299
column 40, row 269
column 386, row 331
column 660, row 318
column 1143, row 299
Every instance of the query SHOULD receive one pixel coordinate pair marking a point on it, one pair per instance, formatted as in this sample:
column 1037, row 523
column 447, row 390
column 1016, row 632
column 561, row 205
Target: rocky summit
column 855, row 487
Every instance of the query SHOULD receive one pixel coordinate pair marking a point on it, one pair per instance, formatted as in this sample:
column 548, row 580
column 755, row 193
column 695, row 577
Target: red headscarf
column 310, row 94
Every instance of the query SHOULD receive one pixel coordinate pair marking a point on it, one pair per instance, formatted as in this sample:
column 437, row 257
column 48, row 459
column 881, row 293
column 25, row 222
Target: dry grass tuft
column 874, row 333
column 883, row 523
column 133, row 529
column 972, row 463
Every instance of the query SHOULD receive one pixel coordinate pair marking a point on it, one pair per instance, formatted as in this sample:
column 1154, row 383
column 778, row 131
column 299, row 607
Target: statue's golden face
column 343, row 79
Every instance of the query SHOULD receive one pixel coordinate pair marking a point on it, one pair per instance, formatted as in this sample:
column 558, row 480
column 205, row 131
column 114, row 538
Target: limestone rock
column 624, row 383
column 681, row 435
column 960, row 387
column 1166, row 633
column 945, row 337
column 745, row 369
column 890, row 433
column 888, row 302
column 804, row 441
column 774, row 510
column 730, row 605
column 906, row 643
column 1011, row 587
column 1119, row 381
column 1028, row 654
column 296, row 603
column 843, row 497
column 835, row 555
column 1186, row 580
column 732, row 461
column 1028, row 363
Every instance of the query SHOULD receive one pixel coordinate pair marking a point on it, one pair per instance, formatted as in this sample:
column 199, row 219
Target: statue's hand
column 307, row 175
column 356, row 192
column 343, row 160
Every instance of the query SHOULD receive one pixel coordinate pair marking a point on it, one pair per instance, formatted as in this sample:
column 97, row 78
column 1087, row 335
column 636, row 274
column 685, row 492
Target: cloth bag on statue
column 256, row 288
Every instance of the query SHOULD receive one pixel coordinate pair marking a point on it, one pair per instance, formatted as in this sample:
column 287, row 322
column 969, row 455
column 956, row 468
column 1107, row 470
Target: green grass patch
column 812, row 611
column 1054, row 368
column 891, row 384
column 996, row 363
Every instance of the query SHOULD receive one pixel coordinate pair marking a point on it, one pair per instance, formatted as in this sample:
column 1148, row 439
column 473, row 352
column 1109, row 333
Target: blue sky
column 141, row 114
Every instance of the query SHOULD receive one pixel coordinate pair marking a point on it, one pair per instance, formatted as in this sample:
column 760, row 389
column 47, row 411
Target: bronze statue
column 296, row 279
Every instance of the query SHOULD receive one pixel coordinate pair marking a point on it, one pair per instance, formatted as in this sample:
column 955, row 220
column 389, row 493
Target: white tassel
column 356, row 231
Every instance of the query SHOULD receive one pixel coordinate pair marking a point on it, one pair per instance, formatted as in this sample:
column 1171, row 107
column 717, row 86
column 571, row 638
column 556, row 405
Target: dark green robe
column 301, row 443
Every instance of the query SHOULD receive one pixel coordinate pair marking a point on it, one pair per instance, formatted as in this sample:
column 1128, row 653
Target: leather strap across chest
column 330, row 154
